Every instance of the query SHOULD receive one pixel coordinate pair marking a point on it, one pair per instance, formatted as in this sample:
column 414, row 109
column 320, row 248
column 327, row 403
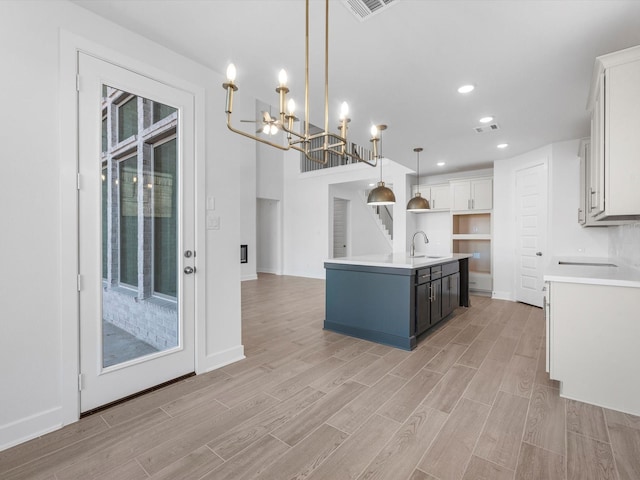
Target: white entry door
column 136, row 232
column 531, row 212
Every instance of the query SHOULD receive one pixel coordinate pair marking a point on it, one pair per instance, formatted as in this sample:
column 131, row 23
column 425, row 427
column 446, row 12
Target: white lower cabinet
column 593, row 339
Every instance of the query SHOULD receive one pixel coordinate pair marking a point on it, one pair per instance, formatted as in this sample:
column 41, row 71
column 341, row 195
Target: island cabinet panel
column 392, row 305
column 372, row 305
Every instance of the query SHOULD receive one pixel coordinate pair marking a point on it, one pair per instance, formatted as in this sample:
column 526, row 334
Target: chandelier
column 308, row 144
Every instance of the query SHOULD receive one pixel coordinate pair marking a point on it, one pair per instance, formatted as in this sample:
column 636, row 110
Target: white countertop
column 398, row 260
column 620, row 275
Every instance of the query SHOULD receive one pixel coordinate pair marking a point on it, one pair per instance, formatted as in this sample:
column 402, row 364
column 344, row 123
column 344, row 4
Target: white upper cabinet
column 437, row 195
column 614, row 104
column 472, row 194
column 586, row 198
column 440, row 197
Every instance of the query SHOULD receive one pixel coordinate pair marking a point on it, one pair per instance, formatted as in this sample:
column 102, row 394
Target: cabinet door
column 436, row 301
column 446, row 294
column 461, row 195
column 482, row 194
column 622, row 140
column 423, row 307
column 584, row 162
column 454, row 291
column 595, row 194
column 425, row 192
column 440, row 197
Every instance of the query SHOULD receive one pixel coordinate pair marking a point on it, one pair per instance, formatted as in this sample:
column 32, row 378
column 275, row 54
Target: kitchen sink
column 588, row 264
column 437, row 256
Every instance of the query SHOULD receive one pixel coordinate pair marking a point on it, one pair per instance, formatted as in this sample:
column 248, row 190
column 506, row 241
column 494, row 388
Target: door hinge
column 80, row 382
column 78, row 181
column 78, row 83
column 79, row 282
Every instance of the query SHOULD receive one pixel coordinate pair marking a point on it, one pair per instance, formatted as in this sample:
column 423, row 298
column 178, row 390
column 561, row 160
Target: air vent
column 487, row 128
column 363, row 9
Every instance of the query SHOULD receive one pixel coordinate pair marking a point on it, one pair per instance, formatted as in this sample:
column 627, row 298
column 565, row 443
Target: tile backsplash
column 624, row 242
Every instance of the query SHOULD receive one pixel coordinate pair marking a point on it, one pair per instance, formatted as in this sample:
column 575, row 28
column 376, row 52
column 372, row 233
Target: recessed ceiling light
column 372, row 184
column 502, row 145
column 486, row 119
column 466, row 89
column 440, row 164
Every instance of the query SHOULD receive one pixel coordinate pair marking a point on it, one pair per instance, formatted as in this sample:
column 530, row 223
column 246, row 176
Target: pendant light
column 418, row 203
column 380, row 195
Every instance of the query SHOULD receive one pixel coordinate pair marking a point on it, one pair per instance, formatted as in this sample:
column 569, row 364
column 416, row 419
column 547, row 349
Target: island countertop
column 398, row 260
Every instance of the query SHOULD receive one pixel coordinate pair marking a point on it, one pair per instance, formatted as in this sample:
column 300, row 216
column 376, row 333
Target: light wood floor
column 472, row 401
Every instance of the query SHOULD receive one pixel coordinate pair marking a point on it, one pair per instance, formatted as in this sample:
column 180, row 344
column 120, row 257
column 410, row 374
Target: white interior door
column 340, row 227
column 531, row 212
column 136, row 232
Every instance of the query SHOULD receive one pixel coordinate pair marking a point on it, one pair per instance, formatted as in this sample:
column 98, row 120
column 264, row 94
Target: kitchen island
column 391, row 299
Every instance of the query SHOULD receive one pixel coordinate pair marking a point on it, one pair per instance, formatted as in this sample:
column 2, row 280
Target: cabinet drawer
column 450, row 268
column 423, row 275
column 436, row 272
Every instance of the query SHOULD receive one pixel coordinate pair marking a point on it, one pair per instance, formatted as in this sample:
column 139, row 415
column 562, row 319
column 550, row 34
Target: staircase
column 383, row 217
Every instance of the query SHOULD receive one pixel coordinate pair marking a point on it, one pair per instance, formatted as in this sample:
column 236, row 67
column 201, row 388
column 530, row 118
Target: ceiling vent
column 363, row 9
column 492, row 127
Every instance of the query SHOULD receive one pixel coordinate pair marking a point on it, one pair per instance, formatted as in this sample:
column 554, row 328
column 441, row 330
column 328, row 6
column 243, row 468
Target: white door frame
column 543, row 244
column 70, row 45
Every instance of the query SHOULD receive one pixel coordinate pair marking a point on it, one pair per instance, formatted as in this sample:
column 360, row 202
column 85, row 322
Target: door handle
column 539, row 254
column 189, row 270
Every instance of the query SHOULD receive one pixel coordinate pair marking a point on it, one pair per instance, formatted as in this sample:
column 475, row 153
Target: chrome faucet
column 412, row 252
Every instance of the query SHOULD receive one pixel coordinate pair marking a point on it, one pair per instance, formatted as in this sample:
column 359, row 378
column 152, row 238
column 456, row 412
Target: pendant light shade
column 380, row 195
column 418, row 203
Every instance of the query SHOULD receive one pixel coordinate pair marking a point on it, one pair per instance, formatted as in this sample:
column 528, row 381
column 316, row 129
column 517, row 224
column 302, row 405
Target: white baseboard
column 249, row 277
column 30, row 427
column 220, row 359
column 273, row 271
column 503, row 296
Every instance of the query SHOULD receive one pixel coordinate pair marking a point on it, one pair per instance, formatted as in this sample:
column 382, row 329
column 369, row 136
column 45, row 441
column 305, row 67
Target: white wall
column 624, row 243
column 37, row 297
column 564, row 235
column 306, row 236
column 269, row 236
column 247, row 191
column 364, row 235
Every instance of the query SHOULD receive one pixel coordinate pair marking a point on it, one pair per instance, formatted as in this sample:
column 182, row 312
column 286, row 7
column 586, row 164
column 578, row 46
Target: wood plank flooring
column 471, row 402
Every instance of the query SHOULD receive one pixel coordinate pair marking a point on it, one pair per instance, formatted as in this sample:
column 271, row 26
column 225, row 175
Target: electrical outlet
column 476, row 254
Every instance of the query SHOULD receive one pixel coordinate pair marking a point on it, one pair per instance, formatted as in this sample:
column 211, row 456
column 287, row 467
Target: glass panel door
column 136, row 221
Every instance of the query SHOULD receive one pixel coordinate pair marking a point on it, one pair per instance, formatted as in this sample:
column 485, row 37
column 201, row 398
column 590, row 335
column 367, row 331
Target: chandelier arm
column 359, row 159
column 326, row 67
column 306, row 72
column 253, row 137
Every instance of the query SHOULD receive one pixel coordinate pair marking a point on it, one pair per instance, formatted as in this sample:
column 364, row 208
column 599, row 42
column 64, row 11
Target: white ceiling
column 531, row 62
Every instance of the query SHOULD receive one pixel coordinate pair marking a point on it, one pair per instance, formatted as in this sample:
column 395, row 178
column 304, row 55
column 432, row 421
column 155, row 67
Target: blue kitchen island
column 392, row 299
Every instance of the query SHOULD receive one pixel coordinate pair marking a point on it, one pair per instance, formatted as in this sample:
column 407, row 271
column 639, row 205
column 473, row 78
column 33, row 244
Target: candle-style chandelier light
column 305, row 142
